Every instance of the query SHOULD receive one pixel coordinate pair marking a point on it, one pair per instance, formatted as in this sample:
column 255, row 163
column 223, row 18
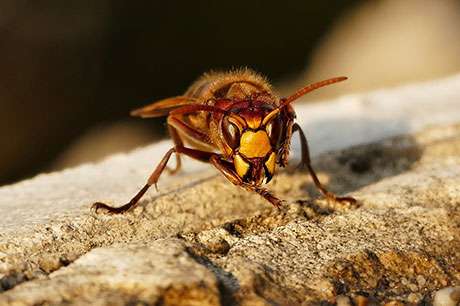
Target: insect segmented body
column 235, row 122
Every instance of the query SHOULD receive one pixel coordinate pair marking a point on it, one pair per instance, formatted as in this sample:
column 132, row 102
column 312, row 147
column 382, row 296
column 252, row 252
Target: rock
column 130, row 274
column 202, row 241
column 343, row 300
column 449, row 296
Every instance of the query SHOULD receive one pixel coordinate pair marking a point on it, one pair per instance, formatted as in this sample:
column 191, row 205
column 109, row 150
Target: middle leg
column 306, row 162
column 176, row 124
column 177, row 143
column 133, row 202
column 153, row 179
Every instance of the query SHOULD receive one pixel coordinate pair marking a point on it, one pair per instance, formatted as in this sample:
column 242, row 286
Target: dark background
column 67, row 66
column 70, row 71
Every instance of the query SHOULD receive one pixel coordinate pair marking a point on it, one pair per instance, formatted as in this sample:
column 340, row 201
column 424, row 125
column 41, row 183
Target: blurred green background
column 70, row 71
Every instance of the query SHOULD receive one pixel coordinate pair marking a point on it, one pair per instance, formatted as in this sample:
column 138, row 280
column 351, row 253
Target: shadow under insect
column 350, row 169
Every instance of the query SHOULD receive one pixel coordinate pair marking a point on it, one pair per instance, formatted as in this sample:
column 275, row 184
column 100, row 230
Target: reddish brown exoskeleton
column 236, row 123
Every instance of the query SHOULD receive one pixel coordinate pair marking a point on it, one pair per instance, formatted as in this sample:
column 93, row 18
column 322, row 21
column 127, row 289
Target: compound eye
column 231, row 134
column 275, row 131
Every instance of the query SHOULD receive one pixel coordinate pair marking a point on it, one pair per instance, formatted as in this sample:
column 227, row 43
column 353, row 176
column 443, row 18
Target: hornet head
column 255, row 135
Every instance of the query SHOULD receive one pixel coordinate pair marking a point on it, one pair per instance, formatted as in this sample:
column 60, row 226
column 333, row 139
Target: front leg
column 306, row 162
column 285, row 148
column 226, row 169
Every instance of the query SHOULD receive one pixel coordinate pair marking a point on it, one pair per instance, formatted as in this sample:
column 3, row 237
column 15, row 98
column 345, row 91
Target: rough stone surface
column 202, row 241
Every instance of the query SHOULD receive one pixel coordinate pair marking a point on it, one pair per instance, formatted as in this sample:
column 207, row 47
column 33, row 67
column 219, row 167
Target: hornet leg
column 305, row 162
column 178, row 143
column 228, row 172
column 153, row 179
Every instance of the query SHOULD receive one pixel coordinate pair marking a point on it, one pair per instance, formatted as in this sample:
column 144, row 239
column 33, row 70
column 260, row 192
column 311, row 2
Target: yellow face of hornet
column 254, row 141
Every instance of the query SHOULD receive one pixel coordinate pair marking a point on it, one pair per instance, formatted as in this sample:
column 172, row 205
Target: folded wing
column 163, row 107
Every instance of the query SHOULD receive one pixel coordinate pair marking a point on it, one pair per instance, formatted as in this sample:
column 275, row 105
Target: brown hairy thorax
column 233, row 121
column 237, row 84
